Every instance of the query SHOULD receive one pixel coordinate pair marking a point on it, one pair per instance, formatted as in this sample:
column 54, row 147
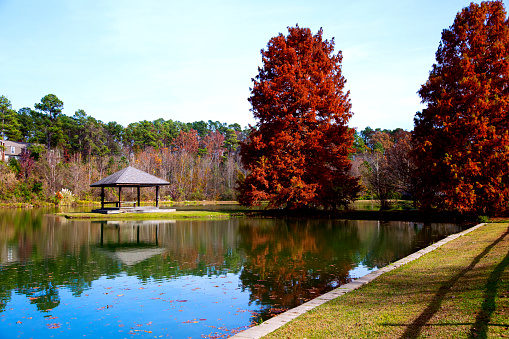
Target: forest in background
column 200, row 159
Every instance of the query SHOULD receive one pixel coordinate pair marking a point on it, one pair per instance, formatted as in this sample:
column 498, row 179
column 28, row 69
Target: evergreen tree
column 52, row 107
column 9, row 125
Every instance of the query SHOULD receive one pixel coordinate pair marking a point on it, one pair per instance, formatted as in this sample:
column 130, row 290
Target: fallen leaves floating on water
column 53, row 325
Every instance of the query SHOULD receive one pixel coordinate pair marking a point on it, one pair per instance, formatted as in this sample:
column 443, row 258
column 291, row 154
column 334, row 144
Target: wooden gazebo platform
column 128, row 177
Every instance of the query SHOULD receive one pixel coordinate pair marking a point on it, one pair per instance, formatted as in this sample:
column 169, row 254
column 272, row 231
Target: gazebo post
column 119, row 197
column 157, row 196
column 102, row 197
column 138, row 196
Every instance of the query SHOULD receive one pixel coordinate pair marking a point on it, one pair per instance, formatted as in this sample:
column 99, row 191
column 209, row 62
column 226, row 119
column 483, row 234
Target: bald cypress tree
column 297, row 154
column 461, row 140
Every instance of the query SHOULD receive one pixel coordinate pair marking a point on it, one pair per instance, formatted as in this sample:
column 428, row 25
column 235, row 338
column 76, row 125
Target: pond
column 180, row 279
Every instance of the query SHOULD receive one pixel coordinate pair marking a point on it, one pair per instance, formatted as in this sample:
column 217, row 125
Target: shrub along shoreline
column 459, row 290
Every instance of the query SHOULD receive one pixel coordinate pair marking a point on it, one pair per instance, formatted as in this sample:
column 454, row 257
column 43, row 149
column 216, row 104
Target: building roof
column 130, row 176
column 16, row 143
column 12, row 148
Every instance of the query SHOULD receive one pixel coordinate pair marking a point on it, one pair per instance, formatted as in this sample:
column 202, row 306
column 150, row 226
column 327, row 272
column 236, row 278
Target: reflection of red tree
column 289, row 269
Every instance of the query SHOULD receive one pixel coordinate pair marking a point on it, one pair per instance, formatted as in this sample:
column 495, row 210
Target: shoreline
column 275, row 323
column 175, row 215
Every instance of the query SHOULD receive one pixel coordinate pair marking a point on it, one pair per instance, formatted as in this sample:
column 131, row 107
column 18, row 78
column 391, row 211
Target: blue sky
column 126, row 61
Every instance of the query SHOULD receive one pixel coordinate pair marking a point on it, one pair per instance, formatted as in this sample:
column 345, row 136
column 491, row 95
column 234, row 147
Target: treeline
column 199, row 159
column 383, row 164
column 85, row 135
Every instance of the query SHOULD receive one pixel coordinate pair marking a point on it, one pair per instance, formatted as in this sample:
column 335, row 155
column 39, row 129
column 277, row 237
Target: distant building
column 12, row 149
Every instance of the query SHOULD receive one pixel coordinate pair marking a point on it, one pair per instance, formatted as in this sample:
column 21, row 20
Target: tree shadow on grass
column 479, row 329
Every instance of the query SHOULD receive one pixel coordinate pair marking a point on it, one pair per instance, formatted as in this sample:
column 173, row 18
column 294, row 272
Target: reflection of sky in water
column 123, row 306
column 361, row 271
column 180, row 279
column 119, row 307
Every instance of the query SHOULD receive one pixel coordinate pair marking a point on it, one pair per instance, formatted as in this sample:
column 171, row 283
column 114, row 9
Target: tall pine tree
column 51, row 106
column 9, row 125
column 297, row 154
column 462, row 138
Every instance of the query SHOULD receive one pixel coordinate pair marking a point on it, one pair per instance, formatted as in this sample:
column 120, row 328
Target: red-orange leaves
column 297, row 154
column 461, row 145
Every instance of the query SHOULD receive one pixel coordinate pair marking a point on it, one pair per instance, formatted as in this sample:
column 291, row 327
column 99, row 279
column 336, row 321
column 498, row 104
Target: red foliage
column 187, row 141
column 297, row 155
column 26, row 164
column 213, row 142
column 462, row 137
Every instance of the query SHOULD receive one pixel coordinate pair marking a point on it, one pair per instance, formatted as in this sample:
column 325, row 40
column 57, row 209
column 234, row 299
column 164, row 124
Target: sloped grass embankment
column 460, row 290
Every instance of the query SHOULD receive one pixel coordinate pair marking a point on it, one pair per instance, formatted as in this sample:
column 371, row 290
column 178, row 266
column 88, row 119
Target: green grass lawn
column 155, row 215
column 460, row 290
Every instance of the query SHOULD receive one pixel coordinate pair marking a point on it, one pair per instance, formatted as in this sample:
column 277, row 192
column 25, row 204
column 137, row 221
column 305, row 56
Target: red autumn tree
column 297, row 154
column 187, row 141
column 461, row 140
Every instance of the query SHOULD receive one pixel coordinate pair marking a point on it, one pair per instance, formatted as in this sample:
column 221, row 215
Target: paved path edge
column 276, row 322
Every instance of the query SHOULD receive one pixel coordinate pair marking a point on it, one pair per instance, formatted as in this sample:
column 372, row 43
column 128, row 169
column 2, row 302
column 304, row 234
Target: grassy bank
column 25, row 204
column 154, row 216
column 460, row 290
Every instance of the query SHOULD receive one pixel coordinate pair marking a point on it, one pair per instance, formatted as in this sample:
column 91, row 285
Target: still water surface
column 180, row 279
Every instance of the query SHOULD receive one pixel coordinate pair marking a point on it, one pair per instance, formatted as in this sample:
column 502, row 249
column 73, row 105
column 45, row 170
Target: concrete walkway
column 274, row 323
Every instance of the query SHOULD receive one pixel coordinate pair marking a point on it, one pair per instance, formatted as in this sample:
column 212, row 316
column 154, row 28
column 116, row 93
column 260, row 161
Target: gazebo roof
column 130, row 176
column 133, row 256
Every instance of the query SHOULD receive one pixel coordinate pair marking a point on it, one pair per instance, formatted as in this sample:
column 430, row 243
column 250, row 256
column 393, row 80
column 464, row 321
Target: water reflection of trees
column 393, row 240
column 291, row 261
column 282, row 263
column 38, row 259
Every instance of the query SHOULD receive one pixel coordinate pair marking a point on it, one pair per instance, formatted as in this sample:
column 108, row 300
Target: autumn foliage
column 297, row 154
column 462, row 137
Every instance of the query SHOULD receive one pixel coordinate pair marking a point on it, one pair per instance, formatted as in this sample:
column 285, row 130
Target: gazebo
column 129, row 177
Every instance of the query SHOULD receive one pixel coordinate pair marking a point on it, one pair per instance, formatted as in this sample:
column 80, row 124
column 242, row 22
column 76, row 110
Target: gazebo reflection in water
column 131, row 242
